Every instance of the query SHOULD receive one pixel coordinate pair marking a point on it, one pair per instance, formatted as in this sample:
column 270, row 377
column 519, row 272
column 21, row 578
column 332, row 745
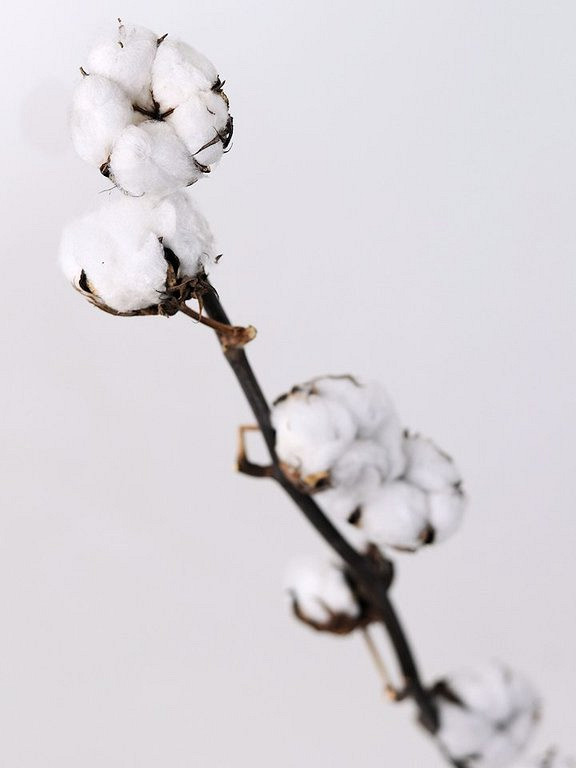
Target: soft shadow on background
column 398, row 203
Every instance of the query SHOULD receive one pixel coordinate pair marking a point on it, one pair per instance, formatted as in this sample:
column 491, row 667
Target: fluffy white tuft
column 397, row 515
column 100, row 112
column 186, row 232
column 201, row 123
column 127, row 58
column 180, row 72
column 488, row 715
column 427, row 466
column 425, row 507
column 117, row 255
column 337, row 426
column 320, row 592
column 150, row 159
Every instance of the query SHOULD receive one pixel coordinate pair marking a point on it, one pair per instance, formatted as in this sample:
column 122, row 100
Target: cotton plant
column 150, row 113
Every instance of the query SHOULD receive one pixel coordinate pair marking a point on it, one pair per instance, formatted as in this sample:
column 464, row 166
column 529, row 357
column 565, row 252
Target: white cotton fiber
column 368, row 403
column 127, row 57
column 122, row 259
column 320, row 591
column 100, row 112
column 462, row 732
column 492, row 719
column 427, row 466
column 151, row 159
column 396, row 516
column 324, row 425
column 400, row 489
column 186, row 232
column 361, row 468
column 446, row 510
column 117, row 251
column 200, row 121
column 312, row 432
column 150, row 113
column 180, row 72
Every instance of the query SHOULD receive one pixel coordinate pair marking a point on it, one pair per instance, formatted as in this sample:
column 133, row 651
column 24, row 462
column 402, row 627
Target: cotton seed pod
column 137, row 256
column 335, row 432
column 150, row 112
column 323, row 597
column 487, row 715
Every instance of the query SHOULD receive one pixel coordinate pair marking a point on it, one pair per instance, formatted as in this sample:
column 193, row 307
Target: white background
column 398, row 203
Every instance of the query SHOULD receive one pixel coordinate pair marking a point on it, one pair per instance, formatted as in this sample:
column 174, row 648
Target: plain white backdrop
column 399, row 203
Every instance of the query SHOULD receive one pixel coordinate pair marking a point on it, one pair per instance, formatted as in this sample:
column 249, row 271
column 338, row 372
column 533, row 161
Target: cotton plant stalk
column 150, row 113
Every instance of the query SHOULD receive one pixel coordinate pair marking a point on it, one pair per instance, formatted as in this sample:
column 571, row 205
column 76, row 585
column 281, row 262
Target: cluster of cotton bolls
column 487, row 715
column 343, row 441
column 150, row 112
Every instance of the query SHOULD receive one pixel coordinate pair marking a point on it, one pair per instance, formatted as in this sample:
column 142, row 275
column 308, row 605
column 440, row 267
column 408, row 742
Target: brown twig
column 231, row 336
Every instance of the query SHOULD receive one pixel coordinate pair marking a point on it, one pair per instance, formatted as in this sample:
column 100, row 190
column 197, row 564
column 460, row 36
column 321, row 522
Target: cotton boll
column 186, row 232
column 446, row 512
column 100, row 112
column 322, row 596
column 179, row 72
column 151, row 143
column 116, row 255
column 427, row 466
column 151, row 159
column 500, row 701
column 396, row 516
column 201, row 123
column 311, row 432
column 462, row 733
column 127, row 59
